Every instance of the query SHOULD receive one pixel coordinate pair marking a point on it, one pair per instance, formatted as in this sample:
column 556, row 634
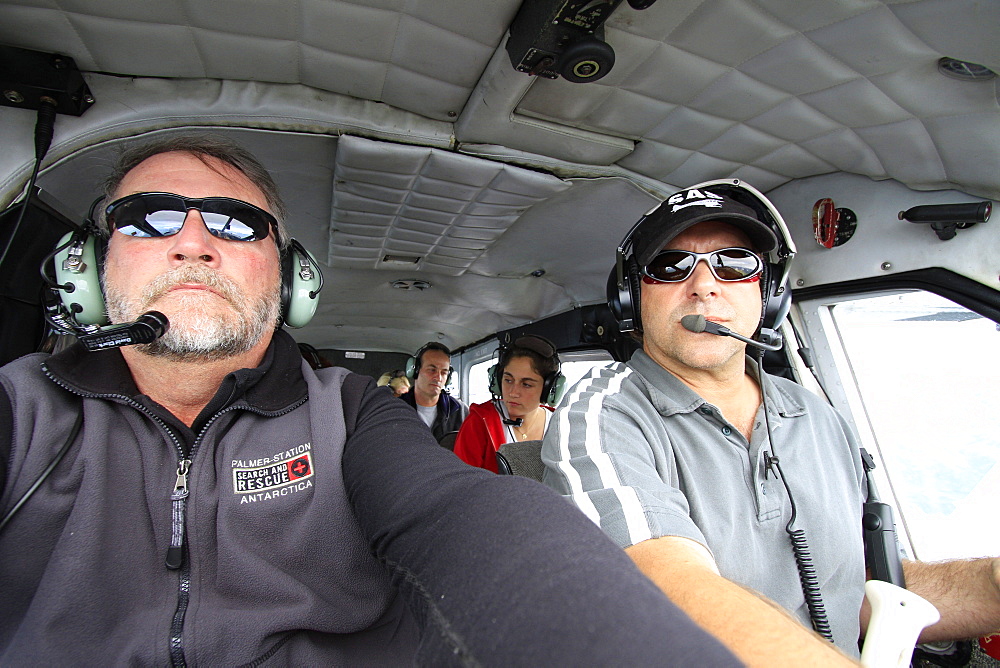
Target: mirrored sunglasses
column 726, row 264
column 162, row 215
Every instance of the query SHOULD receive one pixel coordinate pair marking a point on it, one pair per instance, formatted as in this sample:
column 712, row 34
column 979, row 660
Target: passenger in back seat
column 430, row 370
column 526, row 385
column 396, row 381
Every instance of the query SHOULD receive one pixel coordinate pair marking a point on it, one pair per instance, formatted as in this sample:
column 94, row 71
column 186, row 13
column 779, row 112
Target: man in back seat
column 430, row 370
column 680, row 459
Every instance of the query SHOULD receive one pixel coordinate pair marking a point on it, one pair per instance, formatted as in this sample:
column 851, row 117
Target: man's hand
column 965, row 591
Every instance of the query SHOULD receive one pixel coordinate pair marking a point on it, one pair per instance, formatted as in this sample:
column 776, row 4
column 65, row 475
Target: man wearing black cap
column 703, row 470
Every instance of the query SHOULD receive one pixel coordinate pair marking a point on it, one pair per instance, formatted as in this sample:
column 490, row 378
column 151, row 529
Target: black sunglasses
column 726, row 264
column 163, row 214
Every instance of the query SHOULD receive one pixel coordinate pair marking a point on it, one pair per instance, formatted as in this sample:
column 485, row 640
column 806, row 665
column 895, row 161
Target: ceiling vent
column 402, row 259
column 959, row 69
column 410, row 284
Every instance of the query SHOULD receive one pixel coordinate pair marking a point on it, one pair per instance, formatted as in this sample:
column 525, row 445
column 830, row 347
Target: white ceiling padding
column 444, row 208
column 400, row 52
column 855, row 68
column 824, row 74
column 135, row 107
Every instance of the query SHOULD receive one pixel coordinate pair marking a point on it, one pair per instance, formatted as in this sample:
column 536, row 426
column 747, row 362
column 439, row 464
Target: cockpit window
column 928, row 374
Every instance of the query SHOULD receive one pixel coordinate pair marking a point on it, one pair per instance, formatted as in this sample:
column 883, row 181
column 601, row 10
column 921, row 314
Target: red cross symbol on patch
column 299, row 468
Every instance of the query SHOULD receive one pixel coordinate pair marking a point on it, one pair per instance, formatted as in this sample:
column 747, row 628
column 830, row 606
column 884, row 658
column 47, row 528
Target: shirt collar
column 670, row 395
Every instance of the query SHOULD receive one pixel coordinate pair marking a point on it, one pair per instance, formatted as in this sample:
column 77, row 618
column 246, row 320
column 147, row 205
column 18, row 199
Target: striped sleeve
column 597, row 452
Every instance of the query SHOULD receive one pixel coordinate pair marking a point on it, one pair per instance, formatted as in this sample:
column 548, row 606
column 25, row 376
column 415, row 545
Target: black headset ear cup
column 413, row 364
column 615, row 297
column 301, row 282
column 624, row 303
column 778, row 301
column 78, row 268
column 634, row 290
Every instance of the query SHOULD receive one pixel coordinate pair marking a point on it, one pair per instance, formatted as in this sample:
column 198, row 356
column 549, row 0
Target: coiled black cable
column 800, row 547
column 807, row 571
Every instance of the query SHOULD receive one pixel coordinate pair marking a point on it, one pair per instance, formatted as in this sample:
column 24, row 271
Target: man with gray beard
column 209, row 498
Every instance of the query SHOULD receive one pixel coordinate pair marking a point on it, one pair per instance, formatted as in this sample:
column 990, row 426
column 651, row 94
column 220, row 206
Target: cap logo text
column 706, row 199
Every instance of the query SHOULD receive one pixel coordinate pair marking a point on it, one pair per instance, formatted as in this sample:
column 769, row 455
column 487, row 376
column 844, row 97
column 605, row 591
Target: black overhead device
column 30, row 79
column 947, row 219
column 552, row 38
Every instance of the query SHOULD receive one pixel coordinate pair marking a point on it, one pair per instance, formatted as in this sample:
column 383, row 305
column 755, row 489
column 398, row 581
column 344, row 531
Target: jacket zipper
column 175, row 552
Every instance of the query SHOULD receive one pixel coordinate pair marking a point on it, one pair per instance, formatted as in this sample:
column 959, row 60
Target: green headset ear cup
column 300, row 286
column 494, row 380
column 86, row 301
column 558, row 390
column 411, row 368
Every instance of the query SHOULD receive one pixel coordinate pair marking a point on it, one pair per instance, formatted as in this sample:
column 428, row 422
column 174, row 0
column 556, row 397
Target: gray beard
column 197, row 333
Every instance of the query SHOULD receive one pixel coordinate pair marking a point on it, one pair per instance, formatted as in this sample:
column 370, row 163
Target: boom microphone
column 698, row 324
column 504, row 417
column 148, row 327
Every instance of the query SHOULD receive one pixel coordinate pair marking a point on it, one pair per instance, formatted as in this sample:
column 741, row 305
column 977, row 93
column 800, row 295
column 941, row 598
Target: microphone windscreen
column 156, row 321
column 694, row 323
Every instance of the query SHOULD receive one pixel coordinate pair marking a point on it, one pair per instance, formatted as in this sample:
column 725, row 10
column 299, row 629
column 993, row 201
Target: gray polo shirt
column 644, row 456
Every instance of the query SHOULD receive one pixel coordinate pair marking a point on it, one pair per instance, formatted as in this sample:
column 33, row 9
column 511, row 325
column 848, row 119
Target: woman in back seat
column 525, row 384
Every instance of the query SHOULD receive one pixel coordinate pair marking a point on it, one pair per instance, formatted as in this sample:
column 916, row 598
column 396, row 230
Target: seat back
column 523, row 458
column 448, row 440
column 503, row 467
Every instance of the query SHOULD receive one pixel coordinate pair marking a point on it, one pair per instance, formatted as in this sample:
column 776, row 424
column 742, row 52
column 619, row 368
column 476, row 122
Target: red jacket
column 481, row 436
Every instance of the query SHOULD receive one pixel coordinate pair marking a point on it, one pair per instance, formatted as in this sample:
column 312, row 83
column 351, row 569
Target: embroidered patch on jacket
column 281, row 474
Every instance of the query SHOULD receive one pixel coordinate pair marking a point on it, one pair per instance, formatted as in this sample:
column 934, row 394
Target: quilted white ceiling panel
column 421, row 55
column 765, row 90
column 727, row 88
column 396, row 206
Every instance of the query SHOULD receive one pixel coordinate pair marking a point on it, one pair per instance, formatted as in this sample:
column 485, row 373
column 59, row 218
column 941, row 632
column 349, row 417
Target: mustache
column 200, row 274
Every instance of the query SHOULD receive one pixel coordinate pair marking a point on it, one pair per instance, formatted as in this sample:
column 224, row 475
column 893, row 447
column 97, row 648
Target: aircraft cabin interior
column 463, row 172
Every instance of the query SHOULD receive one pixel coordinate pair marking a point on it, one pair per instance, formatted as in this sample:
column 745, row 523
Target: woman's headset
column 553, row 384
column 78, row 260
column 623, row 283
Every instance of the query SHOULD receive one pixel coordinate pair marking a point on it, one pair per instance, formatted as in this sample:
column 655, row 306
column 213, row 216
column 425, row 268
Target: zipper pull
column 175, row 553
column 181, row 486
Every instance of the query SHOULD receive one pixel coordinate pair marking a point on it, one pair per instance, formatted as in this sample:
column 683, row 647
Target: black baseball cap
column 689, row 207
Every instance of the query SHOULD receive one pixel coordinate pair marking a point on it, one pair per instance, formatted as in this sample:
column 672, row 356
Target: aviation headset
column 414, row 363
column 79, row 259
column 623, row 283
column 553, row 384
